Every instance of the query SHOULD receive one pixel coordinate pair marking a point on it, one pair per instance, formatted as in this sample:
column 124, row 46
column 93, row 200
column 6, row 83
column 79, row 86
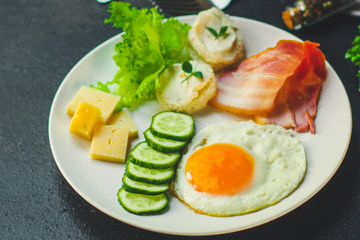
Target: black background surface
column 41, row 40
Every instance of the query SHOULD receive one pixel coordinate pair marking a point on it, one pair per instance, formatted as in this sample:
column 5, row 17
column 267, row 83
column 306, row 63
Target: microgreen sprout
column 188, row 68
column 221, row 33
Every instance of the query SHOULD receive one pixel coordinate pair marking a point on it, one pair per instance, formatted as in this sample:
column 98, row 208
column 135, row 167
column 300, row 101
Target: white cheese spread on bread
column 219, row 52
column 186, row 96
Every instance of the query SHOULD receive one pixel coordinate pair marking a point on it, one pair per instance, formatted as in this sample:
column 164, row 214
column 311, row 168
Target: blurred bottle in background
column 308, row 12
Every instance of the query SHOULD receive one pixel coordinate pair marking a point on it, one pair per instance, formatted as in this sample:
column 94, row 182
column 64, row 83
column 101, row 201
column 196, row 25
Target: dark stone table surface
column 41, row 40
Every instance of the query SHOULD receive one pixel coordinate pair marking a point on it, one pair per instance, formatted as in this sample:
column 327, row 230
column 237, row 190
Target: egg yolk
column 221, row 169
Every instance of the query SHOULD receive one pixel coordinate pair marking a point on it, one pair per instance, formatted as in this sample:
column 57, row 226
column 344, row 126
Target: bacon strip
column 280, row 85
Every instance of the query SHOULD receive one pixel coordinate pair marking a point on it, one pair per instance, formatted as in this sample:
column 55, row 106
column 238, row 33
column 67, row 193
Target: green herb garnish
column 221, row 33
column 188, row 68
column 354, row 54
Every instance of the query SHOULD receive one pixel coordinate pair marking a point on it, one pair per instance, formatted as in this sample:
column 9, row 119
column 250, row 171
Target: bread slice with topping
column 190, row 95
column 216, row 39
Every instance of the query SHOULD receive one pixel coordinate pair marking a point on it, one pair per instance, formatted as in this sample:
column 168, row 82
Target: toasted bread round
column 222, row 51
column 188, row 95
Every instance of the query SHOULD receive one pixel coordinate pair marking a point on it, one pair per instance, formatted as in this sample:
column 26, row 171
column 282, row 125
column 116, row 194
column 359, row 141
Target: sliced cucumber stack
column 173, row 125
column 150, row 166
column 145, row 156
column 133, row 186
column 142, row 204
column 149, row 175
column 163, row 144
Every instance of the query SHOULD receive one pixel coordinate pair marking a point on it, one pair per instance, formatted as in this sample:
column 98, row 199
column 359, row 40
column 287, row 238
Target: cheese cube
column 105, row 102
column 123, row 118
column 85, row 119
column 109, row 143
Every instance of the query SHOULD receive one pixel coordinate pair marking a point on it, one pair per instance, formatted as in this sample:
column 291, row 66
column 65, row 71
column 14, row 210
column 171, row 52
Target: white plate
column 98, row 182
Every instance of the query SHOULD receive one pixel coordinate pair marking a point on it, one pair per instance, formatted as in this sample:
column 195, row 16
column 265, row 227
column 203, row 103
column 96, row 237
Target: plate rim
column 229, row 230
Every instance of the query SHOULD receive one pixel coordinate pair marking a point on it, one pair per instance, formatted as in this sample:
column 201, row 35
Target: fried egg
column 233, row 168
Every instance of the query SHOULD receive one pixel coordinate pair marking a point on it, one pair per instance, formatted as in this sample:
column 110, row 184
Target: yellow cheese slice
column 105, row 102
column 85, row 119
column 109, row 143
column 123, row 118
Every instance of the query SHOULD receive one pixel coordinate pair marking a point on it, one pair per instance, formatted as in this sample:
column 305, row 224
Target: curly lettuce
column 354, row 54
column 150, row 44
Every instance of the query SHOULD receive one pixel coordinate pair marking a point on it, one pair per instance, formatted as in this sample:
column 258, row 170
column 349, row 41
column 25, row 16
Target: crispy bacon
column 280, row 85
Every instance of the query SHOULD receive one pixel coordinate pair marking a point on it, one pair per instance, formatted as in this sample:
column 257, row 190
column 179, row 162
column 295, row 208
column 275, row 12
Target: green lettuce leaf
column 150, row 44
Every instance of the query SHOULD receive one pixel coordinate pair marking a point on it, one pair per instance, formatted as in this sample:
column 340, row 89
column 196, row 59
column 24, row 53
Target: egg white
column 280, row 166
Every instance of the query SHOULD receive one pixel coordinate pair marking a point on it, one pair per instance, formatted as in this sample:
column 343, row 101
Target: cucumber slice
column 143, row 155
column 173, row 125
column 143, row 188
column 142, row 204
column 163, row 144
column 148, row 175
